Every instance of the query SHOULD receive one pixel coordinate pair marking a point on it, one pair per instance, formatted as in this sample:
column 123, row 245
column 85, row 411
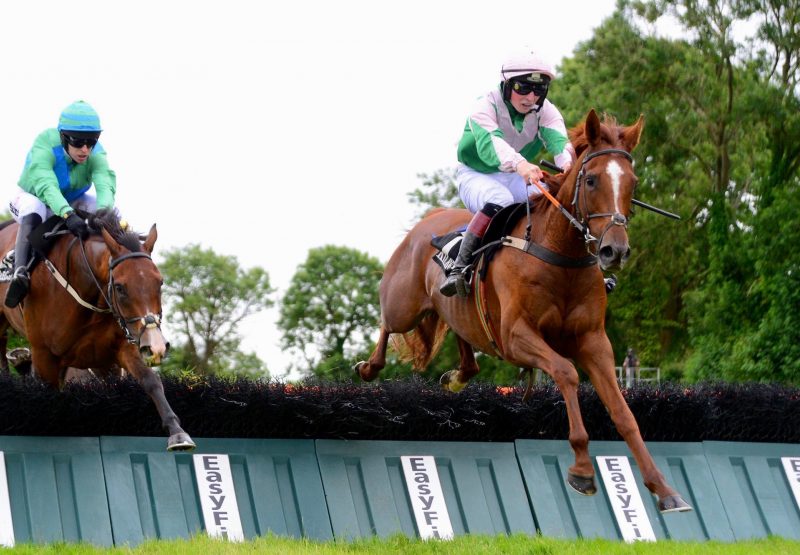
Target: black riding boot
column 21, row 281
column 456, row 281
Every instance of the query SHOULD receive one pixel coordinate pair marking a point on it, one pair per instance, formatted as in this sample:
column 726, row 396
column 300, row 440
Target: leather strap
column 547, row 255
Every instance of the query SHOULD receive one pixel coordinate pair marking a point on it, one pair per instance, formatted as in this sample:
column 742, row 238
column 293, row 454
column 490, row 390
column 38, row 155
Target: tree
column 331, row 308
column 208, row 295
column 438, row 189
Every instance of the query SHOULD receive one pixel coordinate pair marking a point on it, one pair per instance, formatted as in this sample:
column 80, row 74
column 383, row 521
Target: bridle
column 148, row 321
column 578, row 220
column 583, row 221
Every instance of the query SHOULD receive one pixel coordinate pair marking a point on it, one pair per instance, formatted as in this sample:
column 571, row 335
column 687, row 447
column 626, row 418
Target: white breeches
column 24, row 203
column 476, row 188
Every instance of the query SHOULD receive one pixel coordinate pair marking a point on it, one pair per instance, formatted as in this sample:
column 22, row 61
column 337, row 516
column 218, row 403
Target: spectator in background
column 631, row 367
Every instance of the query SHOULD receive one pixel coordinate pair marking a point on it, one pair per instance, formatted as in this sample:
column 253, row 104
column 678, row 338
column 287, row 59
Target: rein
column 149, row 320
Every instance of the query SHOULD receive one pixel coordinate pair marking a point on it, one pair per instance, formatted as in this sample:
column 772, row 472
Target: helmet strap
column 506, row 89
column 540, row 102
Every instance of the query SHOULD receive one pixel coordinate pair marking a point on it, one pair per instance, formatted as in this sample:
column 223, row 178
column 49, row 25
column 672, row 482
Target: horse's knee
column 565, row 376
column 150, row 382
column 625, row 424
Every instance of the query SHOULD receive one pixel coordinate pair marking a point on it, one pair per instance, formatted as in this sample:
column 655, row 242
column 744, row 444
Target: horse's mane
column 108, row 219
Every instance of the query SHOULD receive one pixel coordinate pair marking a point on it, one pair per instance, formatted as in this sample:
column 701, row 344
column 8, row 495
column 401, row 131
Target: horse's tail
column 421, row 344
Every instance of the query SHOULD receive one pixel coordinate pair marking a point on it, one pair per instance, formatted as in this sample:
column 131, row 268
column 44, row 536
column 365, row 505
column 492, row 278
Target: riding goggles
column 80, row 142
column 524, row 88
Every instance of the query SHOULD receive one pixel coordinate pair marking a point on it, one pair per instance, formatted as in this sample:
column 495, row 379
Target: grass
column 473, row 545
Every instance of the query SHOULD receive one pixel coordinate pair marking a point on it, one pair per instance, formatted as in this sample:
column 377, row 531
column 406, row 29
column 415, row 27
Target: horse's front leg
column 130, row 359
column 597, row 358
column 529, row 350
column 456, row 380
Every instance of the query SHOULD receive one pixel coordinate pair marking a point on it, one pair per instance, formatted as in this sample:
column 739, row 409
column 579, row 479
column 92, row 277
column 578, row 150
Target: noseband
column 616, row 217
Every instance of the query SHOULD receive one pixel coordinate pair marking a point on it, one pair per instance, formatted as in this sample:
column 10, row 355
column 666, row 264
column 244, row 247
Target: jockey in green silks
column 508, row 127
column 65, row 169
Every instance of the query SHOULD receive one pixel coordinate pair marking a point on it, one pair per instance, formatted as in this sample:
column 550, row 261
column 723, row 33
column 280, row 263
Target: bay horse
column 95, row 303
column 531, row 312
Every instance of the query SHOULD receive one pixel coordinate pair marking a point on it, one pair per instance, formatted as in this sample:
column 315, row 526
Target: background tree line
column 714, row 296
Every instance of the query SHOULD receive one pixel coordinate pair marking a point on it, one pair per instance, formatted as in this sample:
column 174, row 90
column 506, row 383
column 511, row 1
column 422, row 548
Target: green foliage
column 207, row 296
column 437, row 190
column 331, row 308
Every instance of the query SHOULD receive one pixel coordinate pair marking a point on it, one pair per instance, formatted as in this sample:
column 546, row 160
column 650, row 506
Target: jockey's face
column 79, row 155
column 524, row 104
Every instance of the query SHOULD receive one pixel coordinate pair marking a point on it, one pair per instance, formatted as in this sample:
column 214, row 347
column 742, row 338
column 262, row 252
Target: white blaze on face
column 614, row 171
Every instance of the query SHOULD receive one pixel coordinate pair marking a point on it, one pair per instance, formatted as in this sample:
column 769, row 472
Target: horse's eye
column 591, row 181
column 119, row 289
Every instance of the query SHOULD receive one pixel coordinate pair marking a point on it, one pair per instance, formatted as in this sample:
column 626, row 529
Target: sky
column 264, row 129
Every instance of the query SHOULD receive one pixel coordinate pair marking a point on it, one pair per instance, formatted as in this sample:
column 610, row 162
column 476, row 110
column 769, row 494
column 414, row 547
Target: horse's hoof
column 449, row 382
column 673, row 504
column 362, row 365
column 582, row 484
column 180, row 442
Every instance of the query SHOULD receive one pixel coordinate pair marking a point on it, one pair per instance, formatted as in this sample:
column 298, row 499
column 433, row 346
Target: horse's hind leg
column 368, row 370
column 456, row 380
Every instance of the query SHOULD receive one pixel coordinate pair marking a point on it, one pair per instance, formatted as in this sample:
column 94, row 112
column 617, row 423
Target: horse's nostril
column 606, row 252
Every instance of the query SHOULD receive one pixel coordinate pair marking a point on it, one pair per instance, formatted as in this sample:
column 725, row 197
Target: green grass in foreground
column 473, row 545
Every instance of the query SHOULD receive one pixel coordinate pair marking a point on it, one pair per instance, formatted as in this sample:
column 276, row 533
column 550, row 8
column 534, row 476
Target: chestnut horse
column 95, row 303
column 540, row 314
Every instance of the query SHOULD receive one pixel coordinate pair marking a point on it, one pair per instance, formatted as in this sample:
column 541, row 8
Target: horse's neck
column 96, row 255
column 556, row 232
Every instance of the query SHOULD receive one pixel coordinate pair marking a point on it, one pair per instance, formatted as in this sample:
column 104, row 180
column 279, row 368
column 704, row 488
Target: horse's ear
column 592, row 128
column 630, row 135
column 111, row 243
column 150, row 241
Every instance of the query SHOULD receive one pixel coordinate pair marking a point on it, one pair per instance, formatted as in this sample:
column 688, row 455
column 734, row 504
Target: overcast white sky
column 228, row 123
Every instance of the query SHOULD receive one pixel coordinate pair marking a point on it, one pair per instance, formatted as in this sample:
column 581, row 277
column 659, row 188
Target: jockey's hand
column 531, row 173
column 77, row 226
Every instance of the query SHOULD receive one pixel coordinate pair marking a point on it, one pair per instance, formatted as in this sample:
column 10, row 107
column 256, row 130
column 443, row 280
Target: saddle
column 41, row 239
column 447, row 245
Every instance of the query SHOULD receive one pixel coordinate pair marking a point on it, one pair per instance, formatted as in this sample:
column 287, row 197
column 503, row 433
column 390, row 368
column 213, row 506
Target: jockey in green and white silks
column 65, row 169
column 503, row 135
